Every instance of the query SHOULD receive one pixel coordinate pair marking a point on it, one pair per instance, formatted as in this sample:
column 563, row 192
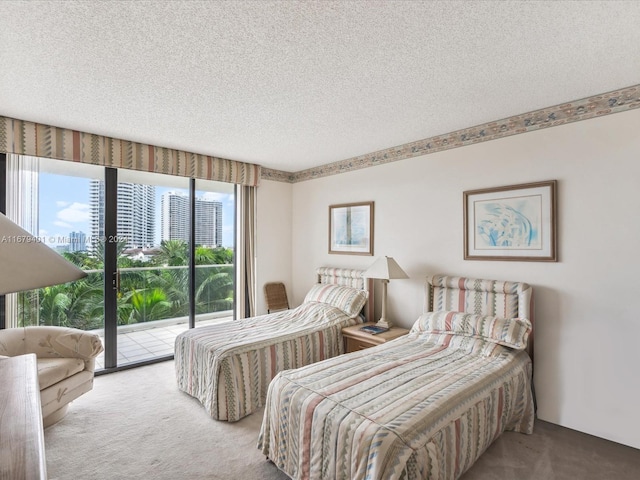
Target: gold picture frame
column 351, row 228
column 515, row 222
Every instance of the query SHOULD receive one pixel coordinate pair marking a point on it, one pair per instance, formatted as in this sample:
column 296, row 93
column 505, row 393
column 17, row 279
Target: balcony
column 148, row 341
column 152, row 306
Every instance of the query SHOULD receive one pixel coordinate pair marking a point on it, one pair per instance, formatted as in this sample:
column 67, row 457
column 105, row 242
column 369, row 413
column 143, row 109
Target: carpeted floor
column 136, row 424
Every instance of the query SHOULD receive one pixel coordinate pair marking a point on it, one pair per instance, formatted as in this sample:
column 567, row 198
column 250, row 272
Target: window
column 65, row 204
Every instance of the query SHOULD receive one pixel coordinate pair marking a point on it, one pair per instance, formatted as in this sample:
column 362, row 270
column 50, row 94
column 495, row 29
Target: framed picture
column 516, row 222
column 351, row 228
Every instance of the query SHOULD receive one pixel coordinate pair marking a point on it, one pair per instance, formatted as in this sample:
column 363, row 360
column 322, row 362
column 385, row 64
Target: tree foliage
column 150, row 290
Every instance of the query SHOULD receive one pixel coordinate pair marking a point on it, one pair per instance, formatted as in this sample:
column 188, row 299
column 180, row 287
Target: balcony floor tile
column 150, row 343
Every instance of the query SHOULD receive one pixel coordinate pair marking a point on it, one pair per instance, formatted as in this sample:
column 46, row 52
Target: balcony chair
column 275, row 295
column 66, row 363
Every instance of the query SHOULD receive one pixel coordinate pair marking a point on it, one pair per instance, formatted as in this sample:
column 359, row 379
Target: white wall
column 587, row 328
column 273, row 238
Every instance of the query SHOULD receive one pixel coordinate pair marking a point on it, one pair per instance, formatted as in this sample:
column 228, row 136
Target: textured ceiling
column 296, row 84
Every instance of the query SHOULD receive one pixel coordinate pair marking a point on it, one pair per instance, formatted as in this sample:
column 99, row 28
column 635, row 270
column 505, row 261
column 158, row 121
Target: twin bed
column 424, row 406
column 228, row 366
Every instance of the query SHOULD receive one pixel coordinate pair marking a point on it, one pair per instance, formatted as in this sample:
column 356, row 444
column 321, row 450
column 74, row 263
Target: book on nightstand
column 373, row 329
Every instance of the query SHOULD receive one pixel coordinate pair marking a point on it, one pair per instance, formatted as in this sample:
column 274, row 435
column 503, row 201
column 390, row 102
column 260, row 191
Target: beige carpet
column 136, row 424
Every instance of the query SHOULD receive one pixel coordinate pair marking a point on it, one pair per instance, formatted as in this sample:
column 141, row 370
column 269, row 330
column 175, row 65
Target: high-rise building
column 208, row 222
column 77, row 242
column 136, row 213
column 174, row 216
column 175, row 219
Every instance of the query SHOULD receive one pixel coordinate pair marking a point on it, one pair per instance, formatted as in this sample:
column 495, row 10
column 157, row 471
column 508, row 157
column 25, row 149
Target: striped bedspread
column 228, row 366
column 424, row 406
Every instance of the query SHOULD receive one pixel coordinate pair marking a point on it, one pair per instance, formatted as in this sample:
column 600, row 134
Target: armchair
column 66, row 363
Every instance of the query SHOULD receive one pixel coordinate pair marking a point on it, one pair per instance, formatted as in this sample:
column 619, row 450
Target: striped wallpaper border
column 615, row 101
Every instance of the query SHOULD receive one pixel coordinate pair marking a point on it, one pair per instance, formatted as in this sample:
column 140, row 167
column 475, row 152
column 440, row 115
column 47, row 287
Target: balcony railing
column 153, row 306
column 145, row 295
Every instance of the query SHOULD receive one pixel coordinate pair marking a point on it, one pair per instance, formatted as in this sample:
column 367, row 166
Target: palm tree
column 149, row 305
column 223, row 256
column 86, row 310
column 78, row 304
column 173, row 253
column 174, row 282
column 214, row 289
column 98, row 254
column 164, row 292
column 204, row 255
column 83, row 260
column 54, row 302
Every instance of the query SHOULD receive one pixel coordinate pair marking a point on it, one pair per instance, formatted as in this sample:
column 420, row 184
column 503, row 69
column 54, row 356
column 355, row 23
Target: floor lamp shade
column 385, row 268
column 26, row 263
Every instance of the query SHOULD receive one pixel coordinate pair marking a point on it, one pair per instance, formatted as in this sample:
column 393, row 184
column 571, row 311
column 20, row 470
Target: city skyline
column 64, row 207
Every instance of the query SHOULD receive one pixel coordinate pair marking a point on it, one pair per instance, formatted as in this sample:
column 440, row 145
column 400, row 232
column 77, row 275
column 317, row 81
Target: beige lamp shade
column 385, row 268
column 27, row 264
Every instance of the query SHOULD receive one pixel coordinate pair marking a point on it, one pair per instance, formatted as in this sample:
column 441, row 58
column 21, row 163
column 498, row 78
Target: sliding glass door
column 158, row 250
column 152, row 279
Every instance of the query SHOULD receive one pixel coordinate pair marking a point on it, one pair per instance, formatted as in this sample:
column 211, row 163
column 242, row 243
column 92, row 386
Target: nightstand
column 355, row 339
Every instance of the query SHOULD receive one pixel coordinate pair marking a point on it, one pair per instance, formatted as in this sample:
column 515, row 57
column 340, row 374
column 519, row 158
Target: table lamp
column 384, row 268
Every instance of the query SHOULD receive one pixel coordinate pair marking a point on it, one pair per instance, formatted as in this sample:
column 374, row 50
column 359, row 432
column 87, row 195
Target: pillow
column 349, row 300
column 510, row 332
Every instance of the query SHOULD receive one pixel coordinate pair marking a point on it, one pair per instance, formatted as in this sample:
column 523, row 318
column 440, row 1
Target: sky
column 64, row 208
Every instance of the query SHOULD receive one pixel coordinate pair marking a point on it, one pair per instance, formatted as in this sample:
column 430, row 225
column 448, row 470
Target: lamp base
column 384, row 323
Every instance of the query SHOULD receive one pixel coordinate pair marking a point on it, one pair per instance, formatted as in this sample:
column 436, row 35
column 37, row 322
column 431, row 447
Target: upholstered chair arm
column 52, row 342
column 12, row 342
column 65, row 342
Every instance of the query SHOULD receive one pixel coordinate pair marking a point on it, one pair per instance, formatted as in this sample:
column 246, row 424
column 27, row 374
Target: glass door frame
column 3, row 210
column 110, row 268
column 192, row 253
column 112, row 275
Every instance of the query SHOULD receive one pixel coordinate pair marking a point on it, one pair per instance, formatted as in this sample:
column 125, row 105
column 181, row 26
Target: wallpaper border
column 616, row 101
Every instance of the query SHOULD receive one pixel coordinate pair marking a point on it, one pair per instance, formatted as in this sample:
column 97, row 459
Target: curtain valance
column 29, row 138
